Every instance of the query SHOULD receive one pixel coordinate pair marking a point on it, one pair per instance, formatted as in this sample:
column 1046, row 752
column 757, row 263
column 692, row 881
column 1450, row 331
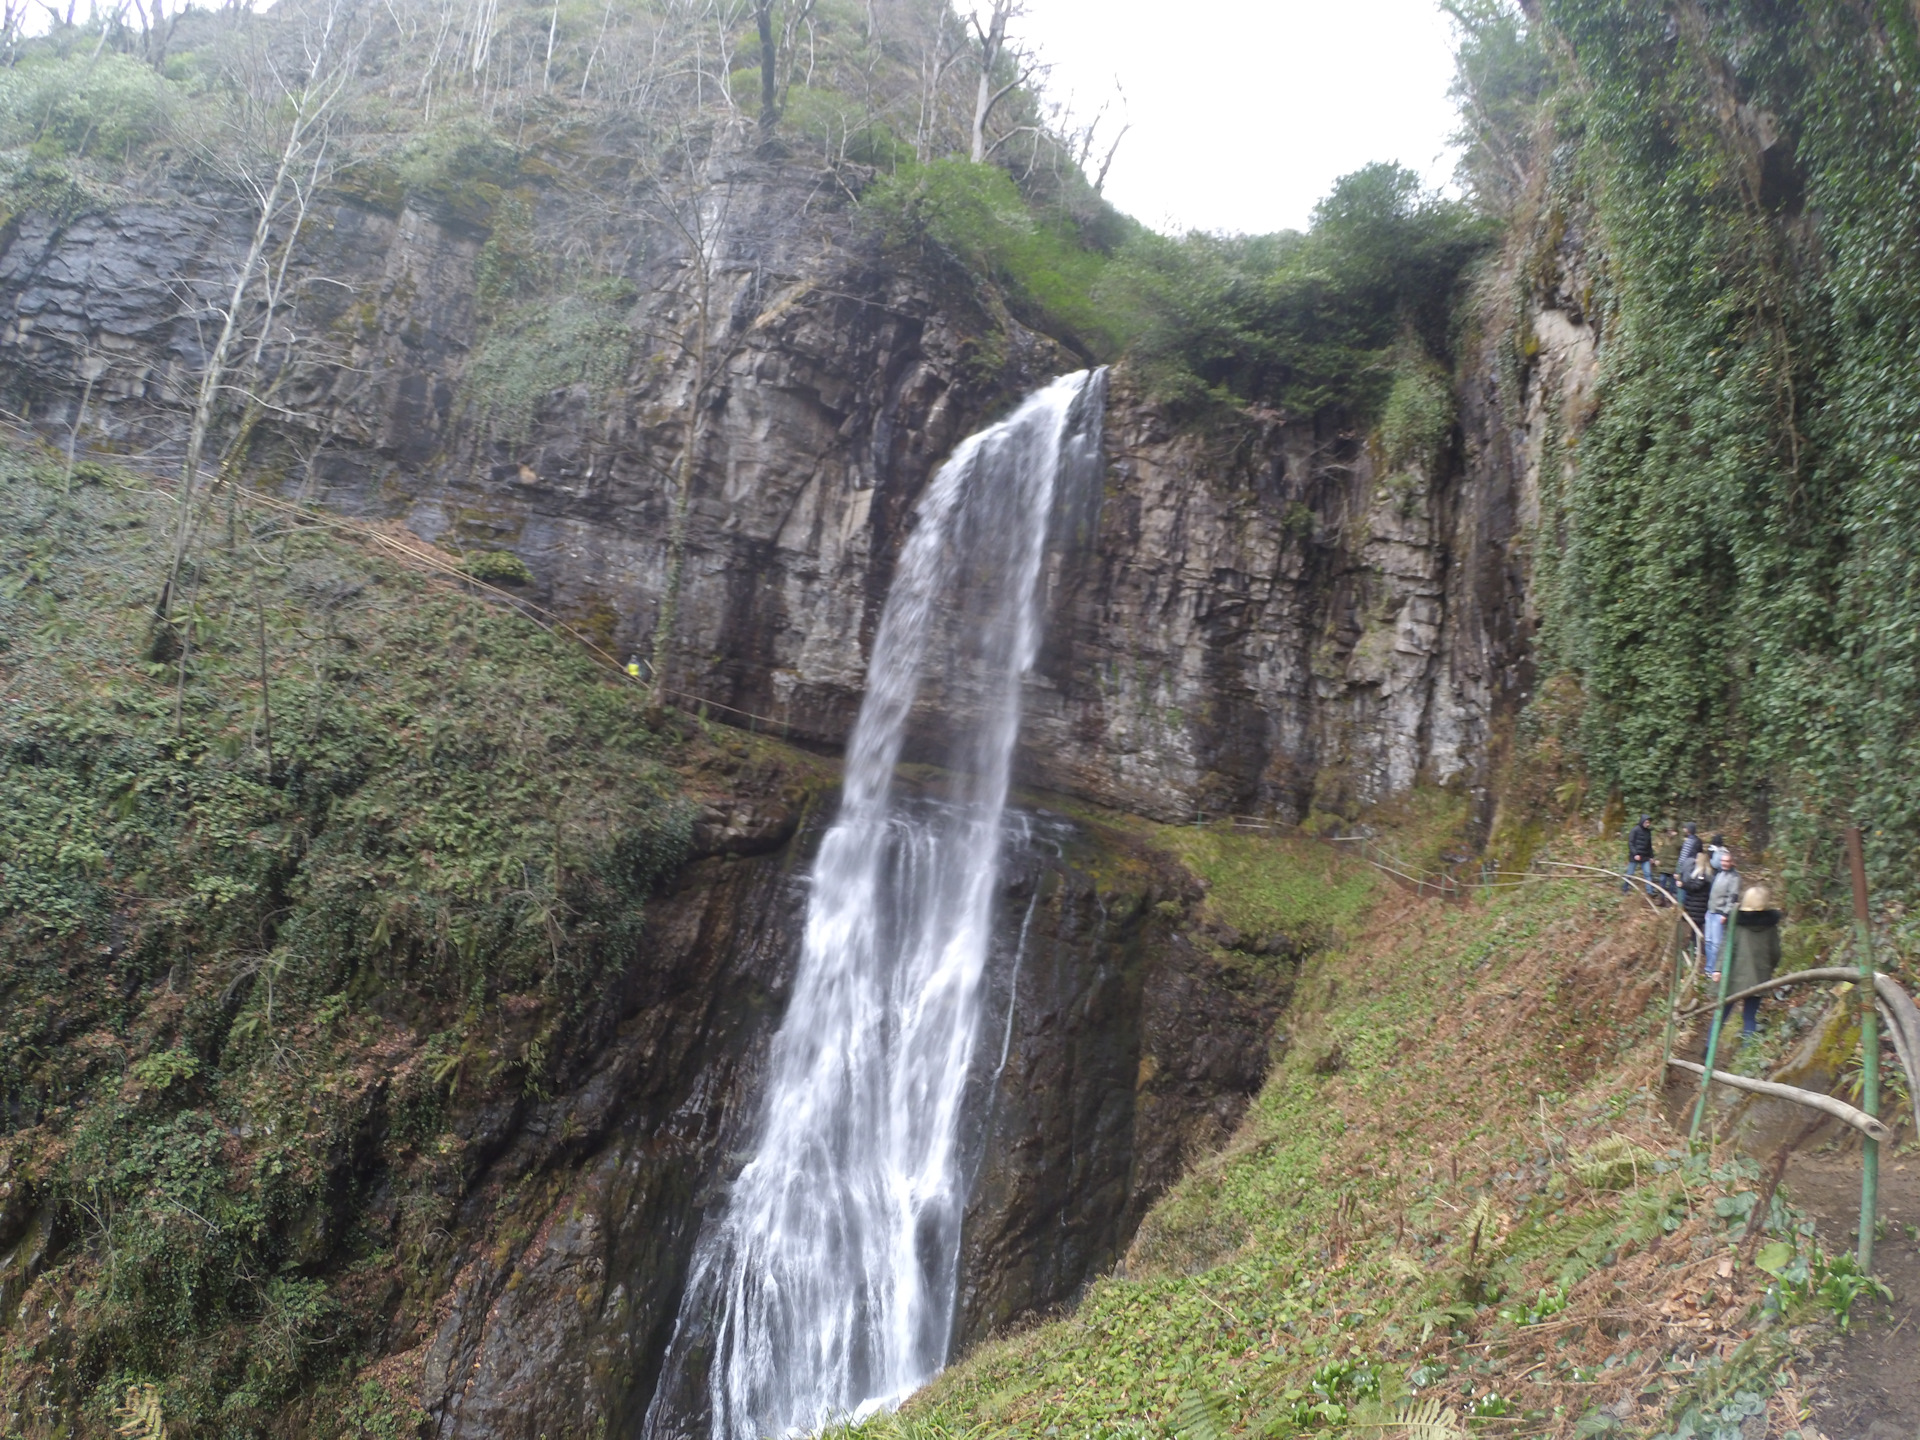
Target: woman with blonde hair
column 1696, row 883
column 1753, row 942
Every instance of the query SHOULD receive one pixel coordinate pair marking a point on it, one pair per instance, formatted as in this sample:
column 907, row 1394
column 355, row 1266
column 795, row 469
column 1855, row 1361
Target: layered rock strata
column 1252, row 615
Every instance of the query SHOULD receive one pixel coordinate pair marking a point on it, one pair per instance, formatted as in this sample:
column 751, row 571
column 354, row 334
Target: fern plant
column 1199, row 1417
column 1429, row 1420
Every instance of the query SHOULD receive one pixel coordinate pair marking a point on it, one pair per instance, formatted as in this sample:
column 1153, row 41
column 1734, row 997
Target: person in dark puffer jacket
column 1640, row 854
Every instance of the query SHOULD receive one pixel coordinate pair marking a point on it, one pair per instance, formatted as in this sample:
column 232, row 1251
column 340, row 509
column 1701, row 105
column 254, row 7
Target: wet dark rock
column 1127, row 1050
column 559, row 1333
column 743, row 829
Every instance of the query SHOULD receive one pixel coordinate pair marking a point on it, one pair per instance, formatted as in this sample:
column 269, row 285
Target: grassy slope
column 245, row 1015
column 1453, row 1070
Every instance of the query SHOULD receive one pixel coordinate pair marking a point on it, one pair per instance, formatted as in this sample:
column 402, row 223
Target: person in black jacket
column 1640, row 854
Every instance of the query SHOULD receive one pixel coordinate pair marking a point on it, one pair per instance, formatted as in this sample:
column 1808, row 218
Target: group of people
column 1735, row 921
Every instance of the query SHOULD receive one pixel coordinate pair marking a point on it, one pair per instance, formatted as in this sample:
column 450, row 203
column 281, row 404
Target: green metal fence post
column 1677, row 955
column 1713, row 1034
column 1869, row 1050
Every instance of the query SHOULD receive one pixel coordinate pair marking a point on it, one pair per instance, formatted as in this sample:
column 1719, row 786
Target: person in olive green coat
column 1754, row 943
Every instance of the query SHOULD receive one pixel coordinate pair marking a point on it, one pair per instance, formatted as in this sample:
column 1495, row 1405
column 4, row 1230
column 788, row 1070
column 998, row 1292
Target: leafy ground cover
column 1457, row 1207
column 284, row 893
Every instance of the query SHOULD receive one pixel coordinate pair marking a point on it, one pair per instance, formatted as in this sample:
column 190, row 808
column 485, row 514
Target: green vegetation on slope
column 1351, row 316
column 1306, row 894
column 1455, row 1191
column 229, row 915
column 1730, row 565
column 1048, row 266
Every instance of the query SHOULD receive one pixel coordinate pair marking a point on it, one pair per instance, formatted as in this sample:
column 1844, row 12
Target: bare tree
column 303, row 92
column 769, row 66
column 938, row 55
column 92, row 366
column 776, row 54
column 13, row 19
column 1082, row 141
column 156, row 29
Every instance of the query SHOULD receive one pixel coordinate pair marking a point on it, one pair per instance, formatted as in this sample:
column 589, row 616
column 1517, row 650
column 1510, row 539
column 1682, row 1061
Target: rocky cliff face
column 1253, row 617
column 1124, row 1037
column 1267, row 622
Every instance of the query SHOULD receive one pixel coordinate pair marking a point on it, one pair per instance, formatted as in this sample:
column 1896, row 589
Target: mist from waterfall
column 825, row 1288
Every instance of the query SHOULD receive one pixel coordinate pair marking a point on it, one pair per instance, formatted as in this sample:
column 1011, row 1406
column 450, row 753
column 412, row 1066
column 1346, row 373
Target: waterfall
column 825, row 1287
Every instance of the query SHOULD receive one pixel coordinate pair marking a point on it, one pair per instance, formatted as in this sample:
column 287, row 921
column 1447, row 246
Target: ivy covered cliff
column 1699, row 331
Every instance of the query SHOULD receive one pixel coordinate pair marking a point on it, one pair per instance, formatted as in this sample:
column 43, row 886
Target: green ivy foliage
column 217, row 957
column 1734, row 555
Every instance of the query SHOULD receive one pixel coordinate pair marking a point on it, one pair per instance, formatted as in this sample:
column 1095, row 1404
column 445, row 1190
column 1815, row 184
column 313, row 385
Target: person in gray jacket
column 1722, row 901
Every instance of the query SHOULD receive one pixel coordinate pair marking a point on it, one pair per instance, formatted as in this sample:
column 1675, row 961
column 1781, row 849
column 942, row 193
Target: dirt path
column 1871, row 1386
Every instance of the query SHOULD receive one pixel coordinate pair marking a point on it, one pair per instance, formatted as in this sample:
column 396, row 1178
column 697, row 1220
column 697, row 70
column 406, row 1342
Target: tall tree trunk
column 213, row 378
column 763, row 17
column 992, row 40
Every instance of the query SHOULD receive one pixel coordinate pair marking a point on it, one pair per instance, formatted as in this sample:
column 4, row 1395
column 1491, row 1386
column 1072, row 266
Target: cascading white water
column 826, row 1288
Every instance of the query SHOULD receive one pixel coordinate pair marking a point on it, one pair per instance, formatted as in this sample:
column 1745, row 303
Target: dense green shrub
column 834, row 126
column 73, row 106
column 48, row 186
column 1304, row 321
column 496, row 567
column 458, row 172
column 1419, row 414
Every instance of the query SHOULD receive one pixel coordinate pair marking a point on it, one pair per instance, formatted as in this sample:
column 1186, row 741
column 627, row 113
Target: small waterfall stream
column 825, row 1289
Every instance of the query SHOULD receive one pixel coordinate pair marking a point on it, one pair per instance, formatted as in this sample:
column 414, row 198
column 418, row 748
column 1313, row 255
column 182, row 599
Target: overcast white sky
column 1245, row 111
